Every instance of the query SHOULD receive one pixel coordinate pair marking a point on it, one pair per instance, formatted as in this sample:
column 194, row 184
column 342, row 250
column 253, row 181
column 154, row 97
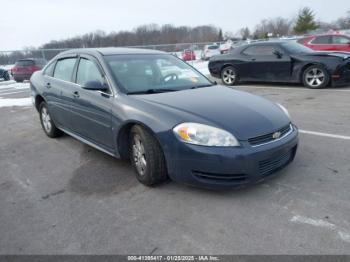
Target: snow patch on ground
column 313, row 222
column 201, row 66
column 6, row 67
column 8, row 102
column 343, row 234
column 13, row 85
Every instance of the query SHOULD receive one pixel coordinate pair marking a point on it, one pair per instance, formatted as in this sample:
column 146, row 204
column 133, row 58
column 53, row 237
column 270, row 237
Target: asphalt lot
column 63, row 197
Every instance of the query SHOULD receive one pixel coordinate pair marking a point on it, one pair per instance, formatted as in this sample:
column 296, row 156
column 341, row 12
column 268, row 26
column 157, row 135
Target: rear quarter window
column 49, row 70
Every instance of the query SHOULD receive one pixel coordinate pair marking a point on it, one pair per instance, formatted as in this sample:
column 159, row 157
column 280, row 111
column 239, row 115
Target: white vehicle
column 210, row 51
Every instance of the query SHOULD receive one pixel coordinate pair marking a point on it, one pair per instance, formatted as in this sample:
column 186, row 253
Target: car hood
column 243, row 114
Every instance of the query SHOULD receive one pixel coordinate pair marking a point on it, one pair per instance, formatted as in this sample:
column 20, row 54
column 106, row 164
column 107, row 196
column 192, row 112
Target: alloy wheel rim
column 315, row 77
column 46, row 120
column 229, row 76
column 139, row 155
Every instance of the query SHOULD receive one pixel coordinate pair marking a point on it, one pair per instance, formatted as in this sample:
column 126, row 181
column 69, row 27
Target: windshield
column 145, row 73
column 295, row 48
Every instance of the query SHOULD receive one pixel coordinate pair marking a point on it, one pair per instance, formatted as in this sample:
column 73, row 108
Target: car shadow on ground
column 100, row 173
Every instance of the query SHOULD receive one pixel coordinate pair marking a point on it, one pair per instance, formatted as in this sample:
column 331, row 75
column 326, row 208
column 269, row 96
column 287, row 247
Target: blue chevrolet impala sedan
column 163, row 115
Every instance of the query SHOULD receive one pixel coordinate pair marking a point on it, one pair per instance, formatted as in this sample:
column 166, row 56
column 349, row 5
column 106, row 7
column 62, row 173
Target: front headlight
column 284, row 109
column 204, row 135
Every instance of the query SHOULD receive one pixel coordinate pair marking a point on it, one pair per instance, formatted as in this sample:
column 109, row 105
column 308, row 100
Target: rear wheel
column 46, row 122
column 315, row 77
column 229, row 76
column 147, row 157
column 6, row 76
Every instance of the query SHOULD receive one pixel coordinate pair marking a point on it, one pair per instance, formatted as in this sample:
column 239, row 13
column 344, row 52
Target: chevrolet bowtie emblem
column 276, row 135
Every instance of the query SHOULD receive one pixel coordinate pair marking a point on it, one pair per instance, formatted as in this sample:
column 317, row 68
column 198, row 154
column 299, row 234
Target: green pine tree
column 306, row 21
column 220, row 37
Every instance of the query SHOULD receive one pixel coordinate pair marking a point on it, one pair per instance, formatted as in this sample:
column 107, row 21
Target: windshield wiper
column 152, row 91
column 201, row 86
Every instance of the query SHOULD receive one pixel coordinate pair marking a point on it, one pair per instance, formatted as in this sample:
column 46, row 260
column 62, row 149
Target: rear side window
column 340, row 40
column 322, row 40
column 259, row 50
column 88, row 71
column 24, row 63
column 64, row 69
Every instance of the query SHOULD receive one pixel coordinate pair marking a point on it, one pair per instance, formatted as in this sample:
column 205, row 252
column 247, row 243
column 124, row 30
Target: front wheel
column 229, row 76
column 46, row 122
column 315, row 77
column 147, row 157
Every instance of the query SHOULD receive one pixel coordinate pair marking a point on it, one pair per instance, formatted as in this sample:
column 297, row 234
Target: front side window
column 88, row 71
column 262, row 50
column 340, row 40
column 138, row 73
column 64, row 69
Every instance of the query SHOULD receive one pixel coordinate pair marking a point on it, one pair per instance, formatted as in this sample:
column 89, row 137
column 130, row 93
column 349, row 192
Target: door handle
column 48, row 85
column 76, row 94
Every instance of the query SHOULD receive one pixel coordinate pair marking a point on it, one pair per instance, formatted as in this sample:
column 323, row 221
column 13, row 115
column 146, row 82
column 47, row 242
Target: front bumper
column 342, row 80
column 220, row 167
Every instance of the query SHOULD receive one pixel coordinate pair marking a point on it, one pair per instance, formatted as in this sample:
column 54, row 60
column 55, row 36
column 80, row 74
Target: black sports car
column 282, row 62
column 4, row 75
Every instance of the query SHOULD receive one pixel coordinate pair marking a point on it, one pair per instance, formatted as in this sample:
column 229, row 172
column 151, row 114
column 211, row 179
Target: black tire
column 53, row 131
column 229, row 76
column 155, row 171
column 18, row 80
column 315, row 77
column 7, row 76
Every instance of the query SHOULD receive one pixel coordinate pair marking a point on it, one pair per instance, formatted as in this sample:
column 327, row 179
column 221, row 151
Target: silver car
column 210, row 51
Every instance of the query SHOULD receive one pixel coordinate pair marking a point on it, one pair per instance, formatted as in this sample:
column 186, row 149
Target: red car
column 188, row 55
column 24, row 68
column 327, row 42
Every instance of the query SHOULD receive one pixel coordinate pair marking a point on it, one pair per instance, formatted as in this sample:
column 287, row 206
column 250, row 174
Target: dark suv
column 24, row 68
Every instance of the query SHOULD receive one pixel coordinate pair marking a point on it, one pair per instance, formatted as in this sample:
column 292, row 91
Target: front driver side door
column 91, row 110
column 268, row 63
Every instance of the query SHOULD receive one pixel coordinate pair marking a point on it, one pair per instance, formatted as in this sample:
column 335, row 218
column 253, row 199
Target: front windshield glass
column 163, row 72
column 295, row 48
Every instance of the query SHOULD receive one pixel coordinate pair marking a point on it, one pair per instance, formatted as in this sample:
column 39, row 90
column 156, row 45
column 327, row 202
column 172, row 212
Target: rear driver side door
column 58, row 89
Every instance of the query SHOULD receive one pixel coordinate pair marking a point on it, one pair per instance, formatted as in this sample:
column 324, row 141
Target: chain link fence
column 8, row 58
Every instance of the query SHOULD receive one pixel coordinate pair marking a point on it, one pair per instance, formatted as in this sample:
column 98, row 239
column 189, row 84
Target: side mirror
column 95, row 86
column 277, row 53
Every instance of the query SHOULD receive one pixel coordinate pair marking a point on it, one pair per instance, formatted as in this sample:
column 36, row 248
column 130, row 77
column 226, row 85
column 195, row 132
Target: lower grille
column 272, row 165
column 220, row 177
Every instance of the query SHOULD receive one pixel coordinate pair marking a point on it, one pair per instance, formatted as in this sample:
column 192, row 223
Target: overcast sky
column 26, row 23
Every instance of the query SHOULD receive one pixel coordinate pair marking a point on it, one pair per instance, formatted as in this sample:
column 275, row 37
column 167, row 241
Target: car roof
column 113, row 51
